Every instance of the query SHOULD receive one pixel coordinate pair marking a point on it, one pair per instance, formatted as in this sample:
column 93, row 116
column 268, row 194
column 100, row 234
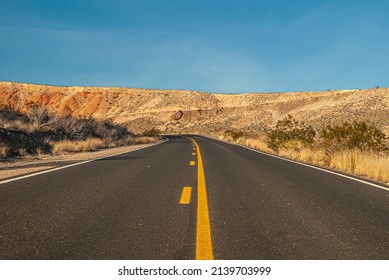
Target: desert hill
column 184, row 111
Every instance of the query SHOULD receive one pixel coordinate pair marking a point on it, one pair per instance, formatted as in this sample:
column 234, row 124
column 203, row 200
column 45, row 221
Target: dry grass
column 87, row 145
column 307, row 155
column 367, row 164
column 22, row 152
column 92, row 144
column 256, row 143
column 3, row 151
column 144, row 140
column 20, row 125
column 134, row 140
column 371, row 165
column 39, row 153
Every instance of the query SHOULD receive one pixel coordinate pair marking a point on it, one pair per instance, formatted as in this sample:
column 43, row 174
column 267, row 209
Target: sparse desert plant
column 363, row 163
column 72, row 146
column 357, row 135
column 38, row 116
column 232, row 135
column 40, row 152
column 310, row 155
column 38, row 132
column 153, row 132
column 258, row 144
column 22, row 152
column 144, row 139
column 314, row 156
column 289, row 129
column 134, row 140
column 4, row 151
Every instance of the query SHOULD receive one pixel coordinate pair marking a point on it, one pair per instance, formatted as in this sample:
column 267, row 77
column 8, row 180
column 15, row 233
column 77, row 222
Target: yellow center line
column 204, row 249
column 192, row 162
column 185, row 197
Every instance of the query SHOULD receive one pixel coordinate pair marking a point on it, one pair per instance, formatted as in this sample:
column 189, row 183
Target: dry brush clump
column 356, row 135
column 232, row 135
column 38, row 132
column 258, row 143
column 3, row 151
column 73, row 146
column 290, row 132
column 358, row 148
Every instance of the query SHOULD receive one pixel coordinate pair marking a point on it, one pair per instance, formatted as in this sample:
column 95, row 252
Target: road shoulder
column 27, row 165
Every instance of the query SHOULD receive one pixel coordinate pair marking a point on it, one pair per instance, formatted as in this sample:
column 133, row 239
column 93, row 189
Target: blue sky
column 213, row 45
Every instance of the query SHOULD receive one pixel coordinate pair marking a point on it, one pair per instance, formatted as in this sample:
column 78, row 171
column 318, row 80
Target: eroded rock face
column 176, row 116
column 194, row 111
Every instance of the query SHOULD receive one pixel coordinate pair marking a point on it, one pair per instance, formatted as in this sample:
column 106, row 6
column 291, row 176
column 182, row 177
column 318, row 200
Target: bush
column 289, row 129
column 154, row 132
column 80, row 129
column 86, row 145
column 3, row 151
column 234, row 135
column 35, row 131
column 356, row 135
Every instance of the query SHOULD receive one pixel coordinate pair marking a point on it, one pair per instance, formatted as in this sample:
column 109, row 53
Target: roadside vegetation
column 38, row 133
column 354, row 147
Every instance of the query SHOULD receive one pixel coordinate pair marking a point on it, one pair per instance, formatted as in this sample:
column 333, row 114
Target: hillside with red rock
column 185, row 111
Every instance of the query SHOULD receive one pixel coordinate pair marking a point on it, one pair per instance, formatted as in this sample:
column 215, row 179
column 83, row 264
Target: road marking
column 192, row 163
column 185, row 196
column 193, row 154
column 194, row 149
column 74, row 164
column 204, row 249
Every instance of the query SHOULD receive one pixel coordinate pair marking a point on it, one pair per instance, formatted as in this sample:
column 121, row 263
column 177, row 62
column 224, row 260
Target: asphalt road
column 240, row 205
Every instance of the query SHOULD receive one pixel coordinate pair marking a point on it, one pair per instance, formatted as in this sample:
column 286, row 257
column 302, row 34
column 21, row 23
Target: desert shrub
column 3, row 151
column 154, row 132
column 33, row 132
column 22, row 151
column 86, row 145
column 290, row 130
column 22, row 143
column 233, row 135
column 38, row 115
column 80, row 129
column 356, row 135
column 257, row 143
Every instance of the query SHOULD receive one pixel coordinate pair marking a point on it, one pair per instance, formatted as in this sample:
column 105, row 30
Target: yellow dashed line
column 192, row 163
column 185, row 197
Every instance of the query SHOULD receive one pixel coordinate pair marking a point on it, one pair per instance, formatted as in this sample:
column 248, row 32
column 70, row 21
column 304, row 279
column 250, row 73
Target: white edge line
column 74, row 164
column 304, row 164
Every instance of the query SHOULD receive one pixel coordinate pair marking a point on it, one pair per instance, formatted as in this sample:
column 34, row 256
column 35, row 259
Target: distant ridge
column 201, row 112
